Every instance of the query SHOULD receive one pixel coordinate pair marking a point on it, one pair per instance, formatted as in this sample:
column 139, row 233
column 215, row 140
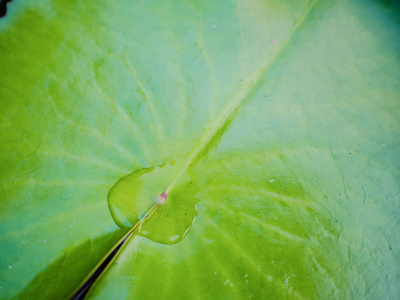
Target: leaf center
column 134, row 196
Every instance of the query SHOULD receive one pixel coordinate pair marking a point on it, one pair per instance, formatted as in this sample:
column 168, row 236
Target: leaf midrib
column 256, row 79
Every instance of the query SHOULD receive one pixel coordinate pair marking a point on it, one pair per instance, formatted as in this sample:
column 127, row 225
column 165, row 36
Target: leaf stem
column 98, row 271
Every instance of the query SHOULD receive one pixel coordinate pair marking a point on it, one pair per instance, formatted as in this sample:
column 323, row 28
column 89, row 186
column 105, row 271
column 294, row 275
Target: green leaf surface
column 274, row 126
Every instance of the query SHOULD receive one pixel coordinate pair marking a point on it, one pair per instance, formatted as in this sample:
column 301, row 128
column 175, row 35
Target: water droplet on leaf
column 132, row 196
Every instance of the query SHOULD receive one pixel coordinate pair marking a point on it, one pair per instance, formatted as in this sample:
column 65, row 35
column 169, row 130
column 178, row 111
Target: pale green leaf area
column 274, row 125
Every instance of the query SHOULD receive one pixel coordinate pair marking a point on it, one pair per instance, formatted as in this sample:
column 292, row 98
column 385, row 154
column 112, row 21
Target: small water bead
column 134, row 196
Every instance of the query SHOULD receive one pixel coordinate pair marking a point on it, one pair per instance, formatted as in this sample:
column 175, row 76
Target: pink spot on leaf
column 163, row 198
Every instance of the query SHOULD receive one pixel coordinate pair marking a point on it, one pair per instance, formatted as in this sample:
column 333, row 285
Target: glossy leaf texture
column 292, row 106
